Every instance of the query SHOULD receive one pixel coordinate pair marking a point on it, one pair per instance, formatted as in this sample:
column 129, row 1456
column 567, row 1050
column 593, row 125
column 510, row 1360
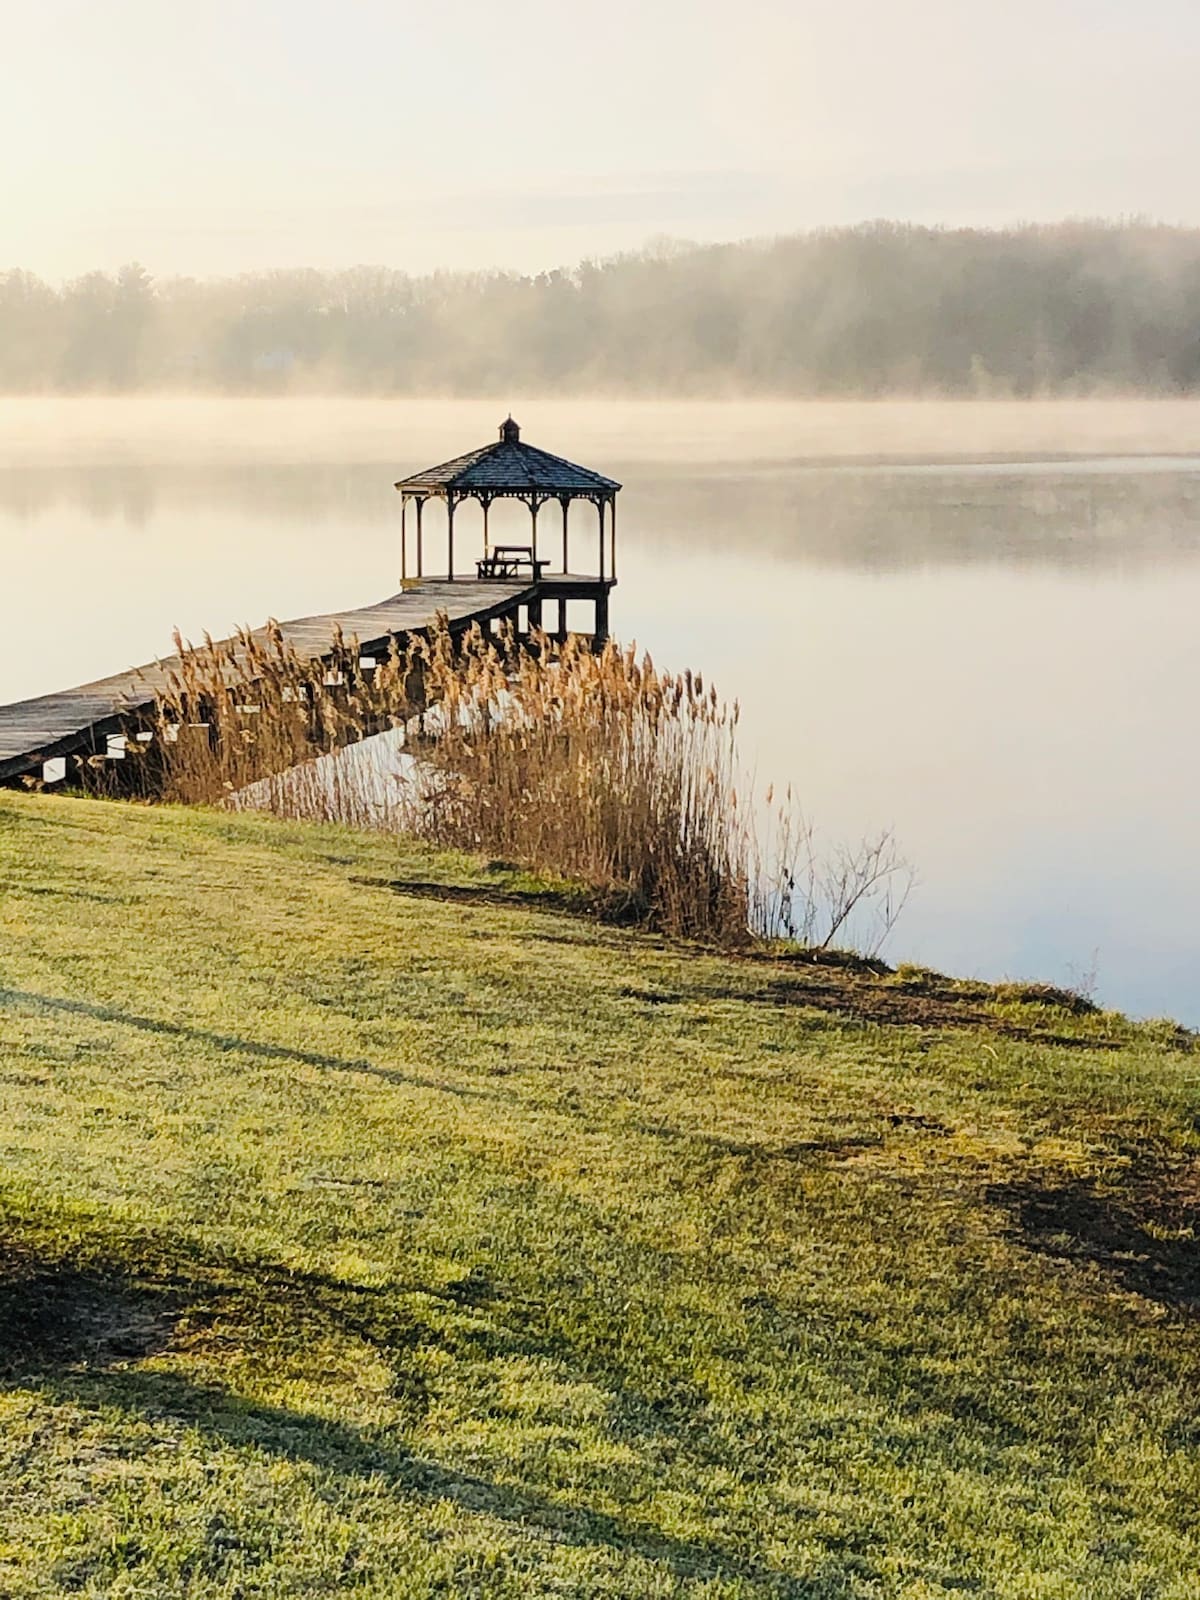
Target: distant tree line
column 1074, row 308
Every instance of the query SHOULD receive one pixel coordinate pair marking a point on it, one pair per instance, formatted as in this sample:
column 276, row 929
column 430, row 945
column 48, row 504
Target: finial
column 510, row 433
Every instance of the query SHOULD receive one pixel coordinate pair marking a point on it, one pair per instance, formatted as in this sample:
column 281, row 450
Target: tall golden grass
column 588, row 764
column 250, row 709
column 591, row 765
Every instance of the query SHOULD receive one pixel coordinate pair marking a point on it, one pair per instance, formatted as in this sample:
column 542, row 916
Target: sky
column 238, row 135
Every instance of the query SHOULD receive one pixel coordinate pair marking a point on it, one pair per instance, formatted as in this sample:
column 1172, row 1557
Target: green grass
column 359, row 1243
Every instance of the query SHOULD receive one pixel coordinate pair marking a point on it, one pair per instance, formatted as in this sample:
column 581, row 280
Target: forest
column 1074, row 308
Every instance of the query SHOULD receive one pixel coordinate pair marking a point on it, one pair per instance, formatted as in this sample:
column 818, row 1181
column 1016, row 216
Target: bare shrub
column 851, row 895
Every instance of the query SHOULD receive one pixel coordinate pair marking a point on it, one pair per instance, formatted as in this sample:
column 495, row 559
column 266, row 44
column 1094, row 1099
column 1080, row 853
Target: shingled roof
column 508, row 467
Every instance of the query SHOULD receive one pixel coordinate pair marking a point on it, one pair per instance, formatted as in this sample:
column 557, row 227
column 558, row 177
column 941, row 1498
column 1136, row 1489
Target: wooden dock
column 79, row 721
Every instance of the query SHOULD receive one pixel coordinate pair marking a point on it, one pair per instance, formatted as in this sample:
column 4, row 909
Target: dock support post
column 534, row 609
column 600, row 639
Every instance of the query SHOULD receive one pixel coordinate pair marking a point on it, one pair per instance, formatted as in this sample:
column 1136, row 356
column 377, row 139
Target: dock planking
column 78, row 721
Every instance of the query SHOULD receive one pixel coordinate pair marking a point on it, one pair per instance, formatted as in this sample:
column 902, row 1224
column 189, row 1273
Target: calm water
column 999, row 659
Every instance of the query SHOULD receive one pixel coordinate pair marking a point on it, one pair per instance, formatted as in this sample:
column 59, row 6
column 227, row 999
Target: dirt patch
column 56, row 1317
column 887, row 1004
column 650, row 997
column 1143, row 1237
column 796, row 1150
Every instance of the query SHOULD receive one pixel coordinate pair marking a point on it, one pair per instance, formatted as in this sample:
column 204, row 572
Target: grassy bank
column 367, row 1229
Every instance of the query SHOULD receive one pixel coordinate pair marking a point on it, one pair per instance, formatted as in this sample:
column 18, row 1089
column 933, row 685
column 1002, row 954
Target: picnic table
column 510, row 561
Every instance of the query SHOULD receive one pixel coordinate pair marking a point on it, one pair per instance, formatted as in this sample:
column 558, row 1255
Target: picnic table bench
column 508, row 560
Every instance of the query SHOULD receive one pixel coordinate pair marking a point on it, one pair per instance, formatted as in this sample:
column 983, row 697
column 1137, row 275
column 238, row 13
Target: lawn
column 357, row 1239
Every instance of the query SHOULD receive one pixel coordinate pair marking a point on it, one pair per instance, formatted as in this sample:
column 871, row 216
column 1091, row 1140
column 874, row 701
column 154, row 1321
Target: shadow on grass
column 234, row 1045
column 614, row 907
column 231, row 1422
column 76, row 1328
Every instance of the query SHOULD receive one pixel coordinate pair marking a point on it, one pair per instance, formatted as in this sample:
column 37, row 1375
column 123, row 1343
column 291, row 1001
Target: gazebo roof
column 508, row 467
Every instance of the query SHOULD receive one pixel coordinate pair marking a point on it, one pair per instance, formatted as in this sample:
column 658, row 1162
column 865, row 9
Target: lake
column 976, row 624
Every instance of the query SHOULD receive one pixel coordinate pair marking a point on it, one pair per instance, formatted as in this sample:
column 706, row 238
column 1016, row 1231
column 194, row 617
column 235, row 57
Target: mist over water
column 930, row 622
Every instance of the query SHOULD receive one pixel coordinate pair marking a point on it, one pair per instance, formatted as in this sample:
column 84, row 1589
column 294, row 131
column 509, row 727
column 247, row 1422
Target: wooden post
column 613, row 524
column 566, row 506
column 601, row 635
column 534, row 608
column 487, row 550
column 450, row 536
column 403, row 539
column 420, row 539
column 600, row 509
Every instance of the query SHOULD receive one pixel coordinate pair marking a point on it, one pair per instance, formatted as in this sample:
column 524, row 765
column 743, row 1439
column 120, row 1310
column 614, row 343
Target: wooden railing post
column 403, row 539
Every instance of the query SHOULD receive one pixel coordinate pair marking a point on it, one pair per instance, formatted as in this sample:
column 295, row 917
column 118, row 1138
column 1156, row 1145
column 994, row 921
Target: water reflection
column 1086, row 514
column 998, row 660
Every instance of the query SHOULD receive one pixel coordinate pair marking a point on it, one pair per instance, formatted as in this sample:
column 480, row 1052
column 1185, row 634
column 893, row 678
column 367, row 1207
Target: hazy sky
column 231, row 134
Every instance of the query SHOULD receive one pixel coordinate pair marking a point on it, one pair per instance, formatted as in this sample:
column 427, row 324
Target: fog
column 973, row 621
column 1073, row 309
column 340, row 431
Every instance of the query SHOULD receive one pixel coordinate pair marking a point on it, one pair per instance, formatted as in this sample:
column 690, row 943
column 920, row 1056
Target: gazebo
column 512, row 470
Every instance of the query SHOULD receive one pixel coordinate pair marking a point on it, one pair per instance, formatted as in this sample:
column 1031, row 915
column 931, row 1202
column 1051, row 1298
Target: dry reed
column 250, row 709
column 589, row 764
column 584, row 764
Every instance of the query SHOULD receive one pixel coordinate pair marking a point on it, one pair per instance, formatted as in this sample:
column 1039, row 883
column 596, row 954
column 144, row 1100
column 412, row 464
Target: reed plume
column 590, row 765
